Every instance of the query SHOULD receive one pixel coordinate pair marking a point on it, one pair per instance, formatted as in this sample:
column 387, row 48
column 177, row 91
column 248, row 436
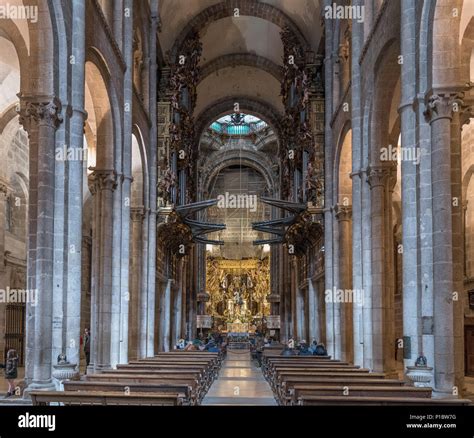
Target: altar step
column 238, row 346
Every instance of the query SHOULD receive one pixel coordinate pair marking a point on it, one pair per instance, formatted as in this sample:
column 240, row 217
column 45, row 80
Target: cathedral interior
column 206, row 191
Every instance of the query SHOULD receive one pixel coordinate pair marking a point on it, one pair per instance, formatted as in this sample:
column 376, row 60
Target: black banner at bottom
column 403, row 421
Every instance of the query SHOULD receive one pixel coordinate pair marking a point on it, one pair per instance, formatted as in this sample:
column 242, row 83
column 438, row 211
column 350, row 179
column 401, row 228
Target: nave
column 194, row 174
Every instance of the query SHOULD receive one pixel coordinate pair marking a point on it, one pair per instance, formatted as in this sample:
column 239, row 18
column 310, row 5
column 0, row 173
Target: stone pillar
column 193, row 280
column 124, row 26
column 335, row 303
column 382, row 181
column 4, row 190
column 344, row 217
column 282, row 292
column 184, row 288
column 357, row 35
column 440, row 112
column 75, row 168
column 136, row 216
column 292, row 295
column 45, row 116
column 412, row 329
column 3, row 281
column 164, row 306
column 177, row 303
column 329, row 89
column 102, row 183
column 314, row 332
column 32, row 130
column 144, row 291
column 151, row 236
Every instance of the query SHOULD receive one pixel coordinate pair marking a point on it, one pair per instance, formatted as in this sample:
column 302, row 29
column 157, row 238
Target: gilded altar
column 238, row 291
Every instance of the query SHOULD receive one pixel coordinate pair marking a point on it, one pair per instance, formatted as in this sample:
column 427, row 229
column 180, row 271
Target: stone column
column 184, row 288
column 335, row 303
column 124, row 26
column 45, row 115
column 282, row 292
column 32, row 130
column 440, row 112
column 409, row 186
column 344, row 217
column 136, row 216
column 102, row 183
column 460, row 117
column 177, row 302
column 4, row 190
column 382, row 181
column 164, row 306
column 151, row 236
column 3, row 281
column 357, row 35
column 292, row 293
column 144, row 291
column 329, row 89
column 75, row 169
column 193, row 277
column 313, row 312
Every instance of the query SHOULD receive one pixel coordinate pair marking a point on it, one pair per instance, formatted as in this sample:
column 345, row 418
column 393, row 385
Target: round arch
column 246, row 8
column 247, row 104
column 227, row 158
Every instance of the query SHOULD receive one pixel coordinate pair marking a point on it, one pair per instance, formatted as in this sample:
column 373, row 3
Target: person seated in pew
column 320, row 350
column 191, row 347
column 303, row 350
column 180, row 345
column 287, row 351
column 313, row 346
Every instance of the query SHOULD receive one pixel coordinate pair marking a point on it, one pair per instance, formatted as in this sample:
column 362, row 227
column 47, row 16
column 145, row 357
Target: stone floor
column 240, row 382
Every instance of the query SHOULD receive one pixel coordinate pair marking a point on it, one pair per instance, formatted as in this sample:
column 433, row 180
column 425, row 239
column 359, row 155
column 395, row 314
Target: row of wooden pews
column 322, row 381
column 173, row 378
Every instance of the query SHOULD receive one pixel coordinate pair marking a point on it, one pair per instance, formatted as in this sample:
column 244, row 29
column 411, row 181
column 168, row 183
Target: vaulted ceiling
column 242, row 55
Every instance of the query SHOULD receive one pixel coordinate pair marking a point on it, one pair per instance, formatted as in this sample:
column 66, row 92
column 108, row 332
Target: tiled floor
column 240, row 382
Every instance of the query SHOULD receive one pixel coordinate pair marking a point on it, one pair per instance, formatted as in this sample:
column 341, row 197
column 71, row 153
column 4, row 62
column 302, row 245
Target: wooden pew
column 105, row 398
column 184, row 390
column 197, row 391
column 299, row 390
column 314, row 400
column 280, row 389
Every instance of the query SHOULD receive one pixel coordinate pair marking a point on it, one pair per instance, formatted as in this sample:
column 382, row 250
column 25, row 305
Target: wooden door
column 469, row 349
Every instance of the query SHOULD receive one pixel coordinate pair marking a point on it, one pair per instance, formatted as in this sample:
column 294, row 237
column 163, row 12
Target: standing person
column 11, row 371
column 87, row 346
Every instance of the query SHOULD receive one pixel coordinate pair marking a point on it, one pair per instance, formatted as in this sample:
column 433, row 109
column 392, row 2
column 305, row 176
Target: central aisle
column 240, row 382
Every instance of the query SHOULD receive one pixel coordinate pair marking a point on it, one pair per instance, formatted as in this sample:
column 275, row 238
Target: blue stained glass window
column 244, row 124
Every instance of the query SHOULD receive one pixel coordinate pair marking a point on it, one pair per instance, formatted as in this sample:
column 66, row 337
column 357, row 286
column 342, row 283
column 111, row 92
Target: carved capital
column 442, row 105
column 382, row 176
column 103, row 179
column 47, row 112
column 4, row 188
column 343, row 212
column 137, row 214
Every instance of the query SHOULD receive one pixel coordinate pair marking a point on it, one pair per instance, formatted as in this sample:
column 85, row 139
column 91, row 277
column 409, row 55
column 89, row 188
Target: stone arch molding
column 228, row 9
column 238, row 59
column 248, row 104
column 226, row 158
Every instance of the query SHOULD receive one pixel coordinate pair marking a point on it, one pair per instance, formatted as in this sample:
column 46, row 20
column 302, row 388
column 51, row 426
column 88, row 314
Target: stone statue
column 421, row 361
